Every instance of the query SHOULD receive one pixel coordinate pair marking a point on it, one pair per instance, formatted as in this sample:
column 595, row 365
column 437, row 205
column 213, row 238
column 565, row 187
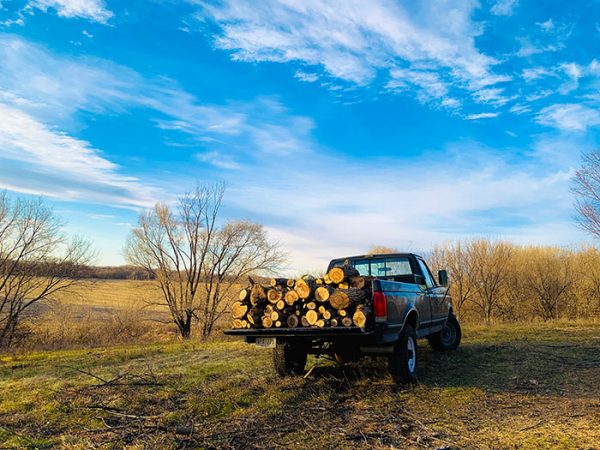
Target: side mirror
column 443, row 277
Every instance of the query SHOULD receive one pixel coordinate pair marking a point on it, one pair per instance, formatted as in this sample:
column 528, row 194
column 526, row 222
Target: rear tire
column 402, row 363
column 289, row 358
column 448, row 338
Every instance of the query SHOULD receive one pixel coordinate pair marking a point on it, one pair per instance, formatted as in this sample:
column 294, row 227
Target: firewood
column 344, row 298
column 326, row 314
column 347, row 322
column 267, row 322
column 311, row 316
column 291, row 297
column 303, row 288
column 245, row 324
column 290, row 282
column 274, row 295
column 274, row 316
column 342, row 313
column 237, row 323
column 293, row 321
column 311, row 305
column 334, row 322
column 281, row 282
column 304, row 322
column 322, row 293
column 357, row 282
column 321, row 309
column 338, row 274
column 257, row 293
column 280, row 305
column 320, row 323
column 343, row 285
column 326, row 279
column 359, row 318
column 268, row 309
column 278, row 324
column 254, row 315
column 243, row 295
column 239, row 310
column 319, row 281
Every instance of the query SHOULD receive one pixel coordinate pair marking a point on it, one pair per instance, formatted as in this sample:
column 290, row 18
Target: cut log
column 342, row 313
column 274, row 295
column 281, row 282
column 254, row 315
column 311, row 316
column 304, row 322
column 311, row 305
column 360, row 317
column 343, row 285
column 319, row 281
column 326, row 315
column 293, row 321
column 239, row 310
column 345, row 298
column 303, row 288
column 326, row 279
column 274, row 316
column 338, row 274
column 245, row 324
column 334, row 322
column 320, row 323
column 347, row 322
column 237, row 323
column 291, row 297
column 278, row 324
column 321, row 309
column 322, row 293
column 268, row 309
column 257, row 293
column 290, row 282
column 280, row 305
column 267, row 322
column 243, row 295
column 357, row 282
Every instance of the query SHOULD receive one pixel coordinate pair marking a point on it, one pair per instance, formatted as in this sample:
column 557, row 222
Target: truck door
column 436, row 296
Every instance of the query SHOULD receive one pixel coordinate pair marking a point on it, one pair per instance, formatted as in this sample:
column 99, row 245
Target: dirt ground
column 509, row 386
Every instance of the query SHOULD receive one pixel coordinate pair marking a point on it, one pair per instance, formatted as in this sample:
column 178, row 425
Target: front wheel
column 402, row 364
column 289, row 358
column 448, row 338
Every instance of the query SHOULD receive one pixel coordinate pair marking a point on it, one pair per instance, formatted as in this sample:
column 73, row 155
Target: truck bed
column 300, row 331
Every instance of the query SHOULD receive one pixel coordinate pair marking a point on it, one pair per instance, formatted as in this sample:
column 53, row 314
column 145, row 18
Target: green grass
column 523, row 386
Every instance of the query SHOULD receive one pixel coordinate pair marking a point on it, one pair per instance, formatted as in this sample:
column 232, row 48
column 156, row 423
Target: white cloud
column 355, row 42
column 569, row 117
column 94, row 10
column 306, row 76
column 546, row 26
column 503, row 7
column 482, row 116
column 43, row 161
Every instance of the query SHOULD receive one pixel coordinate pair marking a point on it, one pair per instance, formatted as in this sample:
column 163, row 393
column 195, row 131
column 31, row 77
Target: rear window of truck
column 381, row 267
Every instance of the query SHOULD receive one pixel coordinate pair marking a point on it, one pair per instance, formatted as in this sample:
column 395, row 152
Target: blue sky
column 336, row 124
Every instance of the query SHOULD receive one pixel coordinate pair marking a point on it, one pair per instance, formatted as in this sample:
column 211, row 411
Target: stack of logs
column 339, row 299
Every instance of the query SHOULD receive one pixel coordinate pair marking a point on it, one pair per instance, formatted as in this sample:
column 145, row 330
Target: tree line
column 502, row 281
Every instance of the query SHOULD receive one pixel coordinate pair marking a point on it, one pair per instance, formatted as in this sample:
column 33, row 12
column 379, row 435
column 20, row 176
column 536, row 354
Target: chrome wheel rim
column 448, row 334
column 412, row 354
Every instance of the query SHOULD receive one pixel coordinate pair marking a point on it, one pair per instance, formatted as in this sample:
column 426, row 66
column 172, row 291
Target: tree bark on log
column 254, row 315
column 278, row 282
column 293, row 321
column 257, row 293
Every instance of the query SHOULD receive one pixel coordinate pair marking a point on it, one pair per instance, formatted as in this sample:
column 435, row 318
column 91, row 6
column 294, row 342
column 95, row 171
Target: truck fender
column 412, row 318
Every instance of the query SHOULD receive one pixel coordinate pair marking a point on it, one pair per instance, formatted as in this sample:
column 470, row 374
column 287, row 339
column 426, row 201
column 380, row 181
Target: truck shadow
column 518, row 366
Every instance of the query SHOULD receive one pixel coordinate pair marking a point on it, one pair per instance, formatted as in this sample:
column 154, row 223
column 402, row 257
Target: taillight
column 379, row 306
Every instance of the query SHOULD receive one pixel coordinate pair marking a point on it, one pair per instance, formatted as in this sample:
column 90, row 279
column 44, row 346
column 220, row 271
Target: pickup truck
column 408, row 303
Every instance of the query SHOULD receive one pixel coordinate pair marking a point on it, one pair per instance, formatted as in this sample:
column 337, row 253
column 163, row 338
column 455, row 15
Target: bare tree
column 381, row 249
column 196, row 262
column 586, row 187
column 36, row 260
column 491, row 269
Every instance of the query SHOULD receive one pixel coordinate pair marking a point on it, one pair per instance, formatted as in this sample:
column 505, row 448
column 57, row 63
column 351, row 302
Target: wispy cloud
column 355, row 44
column 569, row 117
column 486, row 115
column 94, row 10
column 43, row 161
column 503, row 7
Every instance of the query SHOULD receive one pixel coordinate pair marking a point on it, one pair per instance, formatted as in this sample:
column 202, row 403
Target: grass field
column 524, row 386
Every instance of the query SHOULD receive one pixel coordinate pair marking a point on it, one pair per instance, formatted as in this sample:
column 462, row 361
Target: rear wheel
column 448, row 338
column 402, row 364
column 289, row 358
